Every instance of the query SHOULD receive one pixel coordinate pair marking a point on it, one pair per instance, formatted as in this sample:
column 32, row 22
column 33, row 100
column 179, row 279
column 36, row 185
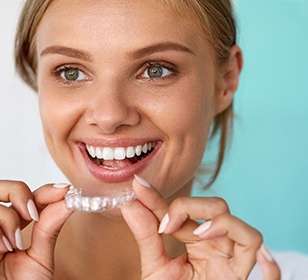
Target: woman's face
column 125, row 87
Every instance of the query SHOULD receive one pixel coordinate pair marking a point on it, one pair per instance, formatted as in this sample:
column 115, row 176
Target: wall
column 265, row 176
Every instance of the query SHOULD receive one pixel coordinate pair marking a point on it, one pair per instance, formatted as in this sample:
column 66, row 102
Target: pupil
column 71, row 74
column 155, row 71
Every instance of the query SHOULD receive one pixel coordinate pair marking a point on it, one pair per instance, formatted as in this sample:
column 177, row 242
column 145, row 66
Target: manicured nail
column 32, row 210
column 61, row 186
column 7, row 244
column 142, row 181
column 163, row 224
column 18, row 239
column 266, row 253
column 202, row 228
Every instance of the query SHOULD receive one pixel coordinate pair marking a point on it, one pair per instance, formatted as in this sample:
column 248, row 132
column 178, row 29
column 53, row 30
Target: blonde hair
column 215, row 18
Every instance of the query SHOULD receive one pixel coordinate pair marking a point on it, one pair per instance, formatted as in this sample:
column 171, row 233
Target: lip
column 118, row 175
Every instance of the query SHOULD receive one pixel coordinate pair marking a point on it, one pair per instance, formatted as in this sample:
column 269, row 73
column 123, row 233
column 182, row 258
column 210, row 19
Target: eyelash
column 169, row 67
column 59, row 71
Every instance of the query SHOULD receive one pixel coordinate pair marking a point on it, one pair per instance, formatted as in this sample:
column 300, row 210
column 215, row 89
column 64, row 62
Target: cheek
column 58, row 115
column 188, row 113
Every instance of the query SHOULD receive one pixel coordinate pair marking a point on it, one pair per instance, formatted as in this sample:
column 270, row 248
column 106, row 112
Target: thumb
column 52, row 217
column 269, row 267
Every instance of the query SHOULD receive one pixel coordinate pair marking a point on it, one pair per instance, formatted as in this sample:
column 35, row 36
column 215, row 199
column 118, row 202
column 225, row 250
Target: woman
column 128, row 90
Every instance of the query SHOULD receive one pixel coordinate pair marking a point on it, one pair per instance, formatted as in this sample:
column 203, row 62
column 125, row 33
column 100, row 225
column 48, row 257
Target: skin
column 113, row 104
column 131, row 104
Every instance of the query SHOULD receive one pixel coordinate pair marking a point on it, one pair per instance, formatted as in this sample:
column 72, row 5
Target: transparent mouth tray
column 75, row 201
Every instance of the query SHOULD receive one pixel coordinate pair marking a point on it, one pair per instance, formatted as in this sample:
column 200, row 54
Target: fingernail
column 202, row 228
column 32, row 210
column 163, row 224
column 142, row 181
column 266, row 253
column 61, row 186
column 7, row 244
column 18, row 239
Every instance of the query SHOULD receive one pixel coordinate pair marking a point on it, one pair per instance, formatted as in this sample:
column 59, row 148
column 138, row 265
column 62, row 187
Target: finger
column 247, row 240
column 195, row 208
column 10, row 226
column 143, row 225
column 150, row 197
column 5, row 245
column 49, row 193
column 269, row 267
column 153, row 200
column 52, row 218
column 19, row 194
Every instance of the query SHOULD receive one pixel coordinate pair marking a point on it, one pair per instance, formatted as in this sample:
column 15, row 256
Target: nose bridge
column 111, row 108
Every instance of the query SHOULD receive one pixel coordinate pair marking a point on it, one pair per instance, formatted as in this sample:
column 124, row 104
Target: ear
column 228, row 79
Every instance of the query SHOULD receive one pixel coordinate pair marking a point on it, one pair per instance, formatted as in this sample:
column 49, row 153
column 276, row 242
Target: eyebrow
column 160, row 47
column 70, row 52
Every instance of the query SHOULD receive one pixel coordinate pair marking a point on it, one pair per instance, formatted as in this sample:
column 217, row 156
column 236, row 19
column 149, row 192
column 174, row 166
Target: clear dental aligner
column 75, row 201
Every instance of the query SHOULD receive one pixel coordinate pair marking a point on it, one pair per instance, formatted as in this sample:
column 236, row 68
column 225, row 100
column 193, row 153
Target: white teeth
column 138, row 150
column 145, row 148
column 108, row 154
column 119, row 153
column 99, row 153
column 130, row 152
column 91, row 150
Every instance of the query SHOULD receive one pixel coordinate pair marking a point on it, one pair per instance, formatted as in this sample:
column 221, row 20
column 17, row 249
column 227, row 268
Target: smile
column 119, row 157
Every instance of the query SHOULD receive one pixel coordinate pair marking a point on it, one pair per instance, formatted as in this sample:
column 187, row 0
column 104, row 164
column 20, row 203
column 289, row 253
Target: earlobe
column 229, row 79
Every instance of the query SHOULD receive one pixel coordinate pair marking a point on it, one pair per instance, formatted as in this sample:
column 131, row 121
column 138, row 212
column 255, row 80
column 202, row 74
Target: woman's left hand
column 224, row 247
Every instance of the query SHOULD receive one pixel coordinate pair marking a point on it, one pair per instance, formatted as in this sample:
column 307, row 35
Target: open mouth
column 119, row 157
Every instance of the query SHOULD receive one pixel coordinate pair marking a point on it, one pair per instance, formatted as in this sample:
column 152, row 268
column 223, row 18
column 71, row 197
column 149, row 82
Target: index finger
column 19, row 194
column 154, row 201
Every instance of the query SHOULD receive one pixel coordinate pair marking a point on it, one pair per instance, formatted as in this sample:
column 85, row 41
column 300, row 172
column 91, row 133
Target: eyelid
column 59, row 70
column 169, row 66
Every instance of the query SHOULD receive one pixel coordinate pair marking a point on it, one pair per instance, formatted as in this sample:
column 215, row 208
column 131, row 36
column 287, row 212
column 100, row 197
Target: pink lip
column 119, row 175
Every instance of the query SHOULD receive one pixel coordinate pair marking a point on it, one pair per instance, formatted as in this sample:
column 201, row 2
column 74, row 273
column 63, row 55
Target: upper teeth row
column 119, row 153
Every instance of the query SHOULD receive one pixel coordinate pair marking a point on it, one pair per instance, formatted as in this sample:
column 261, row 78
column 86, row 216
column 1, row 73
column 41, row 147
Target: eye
column 70, row 74
column 156, row 71
column 73, row 74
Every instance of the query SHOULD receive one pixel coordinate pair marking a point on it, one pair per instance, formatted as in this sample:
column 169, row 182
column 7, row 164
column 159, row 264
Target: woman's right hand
column 47, row 207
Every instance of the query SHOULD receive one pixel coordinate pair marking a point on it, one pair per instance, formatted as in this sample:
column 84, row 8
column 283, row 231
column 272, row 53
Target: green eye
column 71, row 74
column 155, row 71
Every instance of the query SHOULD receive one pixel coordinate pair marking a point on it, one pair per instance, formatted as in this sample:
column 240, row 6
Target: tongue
column 117, row 164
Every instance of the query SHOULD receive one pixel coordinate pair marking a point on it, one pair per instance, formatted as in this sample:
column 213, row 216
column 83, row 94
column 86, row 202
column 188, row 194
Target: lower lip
column 118, row 175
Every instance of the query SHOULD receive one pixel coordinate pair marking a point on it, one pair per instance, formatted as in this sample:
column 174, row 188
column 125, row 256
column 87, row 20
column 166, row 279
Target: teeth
column 108, row 154
column 145, row 148
column 130, row 152
column 138, row 150
column 119, row 153
column 91, row 151
column 99, row 153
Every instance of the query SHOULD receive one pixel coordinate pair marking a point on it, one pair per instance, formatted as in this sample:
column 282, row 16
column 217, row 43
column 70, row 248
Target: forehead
column 90, row 22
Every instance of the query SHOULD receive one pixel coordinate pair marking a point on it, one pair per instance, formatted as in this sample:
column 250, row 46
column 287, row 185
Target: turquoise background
column 265, row 176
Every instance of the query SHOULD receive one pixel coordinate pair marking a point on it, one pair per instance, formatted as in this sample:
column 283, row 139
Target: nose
column 111, row 109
